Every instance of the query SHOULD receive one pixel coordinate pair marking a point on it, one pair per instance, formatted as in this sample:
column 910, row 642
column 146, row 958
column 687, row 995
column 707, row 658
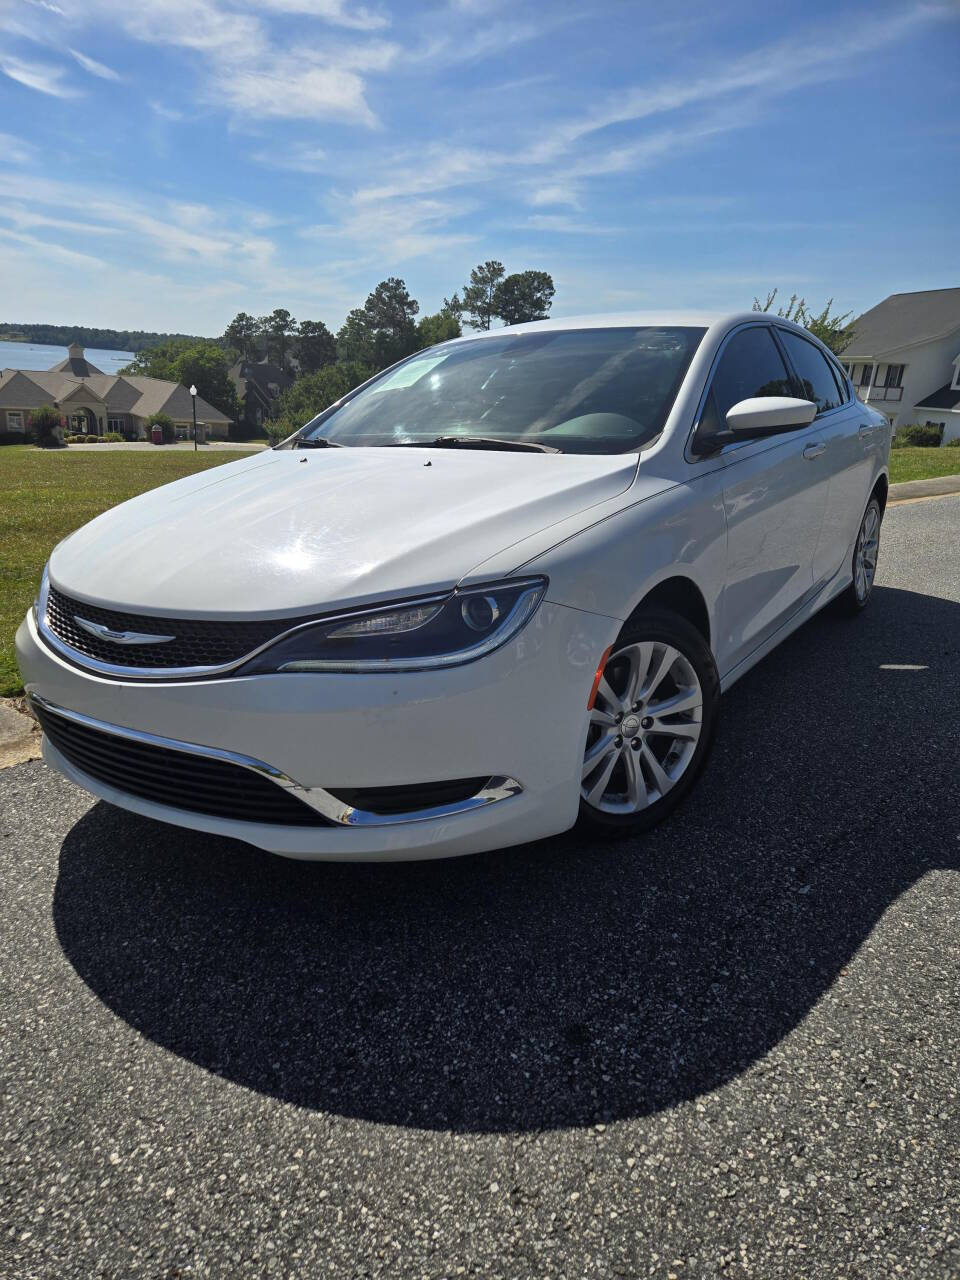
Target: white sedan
column 501, row 586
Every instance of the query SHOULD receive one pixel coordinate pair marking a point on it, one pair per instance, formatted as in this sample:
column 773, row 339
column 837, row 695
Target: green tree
column 280, row 327
column 438, row 328
column 835, row 332
column 241, row 334
column 480, row 293
column 524, row 296
column 391, row 312
column 311, row 395
column 383, row 330
column 355, row 339
column 316, row 345
column 202, row 363
column 44, row 423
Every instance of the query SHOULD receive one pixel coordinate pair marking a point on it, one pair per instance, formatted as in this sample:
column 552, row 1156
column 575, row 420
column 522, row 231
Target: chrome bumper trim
column 495, row 789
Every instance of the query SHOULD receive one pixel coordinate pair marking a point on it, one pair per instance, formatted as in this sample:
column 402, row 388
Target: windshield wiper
column 316, row 442
column 480, row 442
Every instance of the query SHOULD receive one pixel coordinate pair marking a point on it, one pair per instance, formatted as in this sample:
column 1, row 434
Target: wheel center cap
column 630, row 726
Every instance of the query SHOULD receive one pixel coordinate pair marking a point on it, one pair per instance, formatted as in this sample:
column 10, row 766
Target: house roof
column 904, row 320
column 945, row 398
column 79, row 366
column 246, row 373
column 120, row 393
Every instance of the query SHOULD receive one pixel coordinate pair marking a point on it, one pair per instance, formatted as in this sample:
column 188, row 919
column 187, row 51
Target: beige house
column 91, row 402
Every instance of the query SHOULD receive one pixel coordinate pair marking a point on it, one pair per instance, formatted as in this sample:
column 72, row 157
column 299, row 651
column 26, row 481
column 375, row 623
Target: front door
column 774, row 497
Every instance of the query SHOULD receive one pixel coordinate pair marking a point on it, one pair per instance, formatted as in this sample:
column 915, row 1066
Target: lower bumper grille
column 411, row 799
column 178, row 779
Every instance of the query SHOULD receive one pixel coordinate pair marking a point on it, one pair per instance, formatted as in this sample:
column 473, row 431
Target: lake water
column 31, row 355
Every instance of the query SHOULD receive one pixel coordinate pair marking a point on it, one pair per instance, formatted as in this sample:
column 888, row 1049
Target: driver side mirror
column 760, row 416
column 766, row 415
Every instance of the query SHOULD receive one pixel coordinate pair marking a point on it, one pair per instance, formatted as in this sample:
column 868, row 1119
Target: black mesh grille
column 176, row 778
column 408, row 799
column 197, row 643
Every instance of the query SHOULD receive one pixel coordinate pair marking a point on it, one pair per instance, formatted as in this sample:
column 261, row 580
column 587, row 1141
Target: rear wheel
column 651, row 725
column 864, row 565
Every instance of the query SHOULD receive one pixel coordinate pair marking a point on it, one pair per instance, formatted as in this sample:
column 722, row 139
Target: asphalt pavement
column 729, row 1048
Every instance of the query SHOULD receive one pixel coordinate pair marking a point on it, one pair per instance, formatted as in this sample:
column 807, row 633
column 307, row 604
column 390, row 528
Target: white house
column 905, row 358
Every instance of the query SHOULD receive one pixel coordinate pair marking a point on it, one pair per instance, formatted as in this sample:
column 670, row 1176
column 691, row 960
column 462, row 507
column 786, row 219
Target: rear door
column 775, row 494
column 850, row 438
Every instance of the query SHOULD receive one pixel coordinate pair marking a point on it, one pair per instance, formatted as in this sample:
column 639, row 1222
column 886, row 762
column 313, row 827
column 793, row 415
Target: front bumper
column 517, row 714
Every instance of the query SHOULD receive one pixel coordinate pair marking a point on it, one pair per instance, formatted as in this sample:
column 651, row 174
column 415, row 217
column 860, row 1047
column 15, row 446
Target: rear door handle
column 813, row 450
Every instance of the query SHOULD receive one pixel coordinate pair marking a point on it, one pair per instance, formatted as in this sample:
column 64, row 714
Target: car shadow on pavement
column 567, row 982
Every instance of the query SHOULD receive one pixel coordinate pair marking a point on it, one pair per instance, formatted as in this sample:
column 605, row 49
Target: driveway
column 729, row 1048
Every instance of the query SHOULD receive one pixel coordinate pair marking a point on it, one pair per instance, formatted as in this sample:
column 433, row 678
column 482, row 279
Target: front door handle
column 813, row 450
column 865, row 431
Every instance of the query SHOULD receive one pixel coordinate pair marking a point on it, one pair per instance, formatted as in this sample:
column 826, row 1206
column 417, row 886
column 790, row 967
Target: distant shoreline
column 61, row 335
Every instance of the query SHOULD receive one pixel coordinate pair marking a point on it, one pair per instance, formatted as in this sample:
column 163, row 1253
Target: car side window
column 816, row 377
column 751, row 365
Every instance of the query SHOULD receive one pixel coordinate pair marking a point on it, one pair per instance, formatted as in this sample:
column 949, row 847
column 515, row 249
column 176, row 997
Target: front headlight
column 436, row 632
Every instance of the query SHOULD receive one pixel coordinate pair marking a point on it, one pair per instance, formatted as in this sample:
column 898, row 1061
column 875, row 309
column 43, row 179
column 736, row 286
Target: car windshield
column 572, row 390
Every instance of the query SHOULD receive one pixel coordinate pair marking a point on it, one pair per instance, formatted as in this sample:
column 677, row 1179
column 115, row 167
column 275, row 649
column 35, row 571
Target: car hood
column 294, row 530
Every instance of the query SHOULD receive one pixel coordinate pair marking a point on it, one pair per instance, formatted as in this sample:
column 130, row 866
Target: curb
column 19, row 734
column 937, row 487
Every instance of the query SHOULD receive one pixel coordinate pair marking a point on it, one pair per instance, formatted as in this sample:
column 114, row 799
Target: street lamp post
column 193, row 401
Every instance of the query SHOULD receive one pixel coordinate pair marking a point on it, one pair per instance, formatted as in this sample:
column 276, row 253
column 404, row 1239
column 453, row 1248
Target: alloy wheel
column 865, row 556
column 644, row 727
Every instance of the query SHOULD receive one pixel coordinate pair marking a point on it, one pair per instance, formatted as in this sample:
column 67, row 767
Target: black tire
column 665, row 627
column 850, row 603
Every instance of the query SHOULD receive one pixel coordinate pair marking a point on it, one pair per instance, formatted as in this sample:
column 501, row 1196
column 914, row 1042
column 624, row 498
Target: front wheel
column 652, row 723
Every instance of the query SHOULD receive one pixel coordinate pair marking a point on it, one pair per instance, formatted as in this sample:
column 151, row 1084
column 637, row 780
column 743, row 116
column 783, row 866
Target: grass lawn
column 923, row 464
column 44, row 495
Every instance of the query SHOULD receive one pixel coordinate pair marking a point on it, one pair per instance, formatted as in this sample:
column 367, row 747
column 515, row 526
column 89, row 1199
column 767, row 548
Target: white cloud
column 335, row 12
column 95, row 68
column 294, row 92
column 186, row 234
column 396, row 230
column 570, row 226
column 166, row 112
column 45, row 77
column 253, row 68
column 548, row 193
column 15, row 150
column 299, row 157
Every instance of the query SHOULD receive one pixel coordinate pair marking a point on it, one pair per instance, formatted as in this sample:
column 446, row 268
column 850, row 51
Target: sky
column 168, row 163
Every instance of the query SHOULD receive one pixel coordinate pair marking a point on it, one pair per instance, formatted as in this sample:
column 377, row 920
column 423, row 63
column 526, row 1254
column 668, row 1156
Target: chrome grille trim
column 121, row 671
column 336, row 811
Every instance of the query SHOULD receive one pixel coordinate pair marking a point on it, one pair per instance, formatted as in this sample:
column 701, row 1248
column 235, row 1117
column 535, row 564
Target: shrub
column 113, row 437
column 45, row 422
column 165, row 423
column 90, row 438
column 952, row 444
column 278, row 429
column 75, row 439
column 917, row 436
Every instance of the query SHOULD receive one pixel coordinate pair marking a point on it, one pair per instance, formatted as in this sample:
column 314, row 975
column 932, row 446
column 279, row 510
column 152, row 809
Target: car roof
column 633, row 320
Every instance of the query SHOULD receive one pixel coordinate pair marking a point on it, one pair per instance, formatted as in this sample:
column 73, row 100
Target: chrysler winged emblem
column 120, row 637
